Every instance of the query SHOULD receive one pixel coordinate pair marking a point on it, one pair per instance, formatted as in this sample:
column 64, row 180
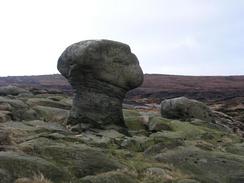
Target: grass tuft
column 35, row 179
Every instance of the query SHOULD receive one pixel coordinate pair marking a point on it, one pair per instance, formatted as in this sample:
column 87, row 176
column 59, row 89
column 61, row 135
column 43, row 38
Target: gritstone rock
column 100, row 72
column 185, row 109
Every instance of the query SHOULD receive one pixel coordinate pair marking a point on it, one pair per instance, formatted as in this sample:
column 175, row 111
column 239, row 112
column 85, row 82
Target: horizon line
column 182, row 75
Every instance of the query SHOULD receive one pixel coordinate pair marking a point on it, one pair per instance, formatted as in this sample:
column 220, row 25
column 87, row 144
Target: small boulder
column 137, row 143
column 156, row 171
column 188, row 181
column 159, row 124
column 51, row 114
column 185, row 109
column 16, row 107
column 134, row 121
column 81, row 160
column 5, row 107
column 5, row 177
column 36, row 179
column 5, row 137
column 11, row 90
column 48, row 102
column 205, row 166
column 5, row 116
column 110, row 177
column 22, row 165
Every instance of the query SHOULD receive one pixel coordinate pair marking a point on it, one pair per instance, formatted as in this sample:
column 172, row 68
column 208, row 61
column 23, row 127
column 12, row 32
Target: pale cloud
column 202, row 37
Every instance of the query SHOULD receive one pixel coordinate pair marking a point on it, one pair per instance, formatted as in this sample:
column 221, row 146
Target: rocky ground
column 36, row 145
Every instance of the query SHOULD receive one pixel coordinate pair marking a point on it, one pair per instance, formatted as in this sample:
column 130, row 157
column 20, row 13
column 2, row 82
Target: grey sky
column 190, row 37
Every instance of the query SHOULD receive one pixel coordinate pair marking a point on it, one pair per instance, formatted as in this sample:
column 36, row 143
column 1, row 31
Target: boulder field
column 37, row 146
column 47, row 138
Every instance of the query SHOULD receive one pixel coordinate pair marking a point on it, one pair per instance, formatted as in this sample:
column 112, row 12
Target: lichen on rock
column 100, row 72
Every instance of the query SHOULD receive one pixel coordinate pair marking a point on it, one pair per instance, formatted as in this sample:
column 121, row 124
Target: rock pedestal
column 100, row 72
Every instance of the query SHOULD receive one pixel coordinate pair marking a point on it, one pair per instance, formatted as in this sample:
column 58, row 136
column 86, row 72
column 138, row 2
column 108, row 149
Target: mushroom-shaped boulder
column 100, row 72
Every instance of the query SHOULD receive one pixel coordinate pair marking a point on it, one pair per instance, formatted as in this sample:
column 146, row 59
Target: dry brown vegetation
column 36, row 179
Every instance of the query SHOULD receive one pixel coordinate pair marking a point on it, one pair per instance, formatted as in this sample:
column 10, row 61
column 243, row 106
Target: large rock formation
column 100, row 72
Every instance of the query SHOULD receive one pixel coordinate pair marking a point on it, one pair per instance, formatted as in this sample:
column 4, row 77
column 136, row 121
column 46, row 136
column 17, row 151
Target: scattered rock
column 81, row 160
column 168, row 151
column 137, row 143
column 5, row 137
column 103, row 138
column 206, row 166
column 17, row 107
column 19, row 132
column 37, row 91
column 5, row 177
column 110, row 177
column 48, row 103
column 176, row 129
column 236, row 178
column 5, row 107
column 11, row 90
column 159, row 124
column 100, row 72
column 188, row 181
column 134, row 121
column 5, row 116
column 111, row 134
column 30, row 114
column 156, row 171
column 161, row 146
column 36, row 179
column 227, row 122
column 51, row 114
column 24, row 180
column 237, row 148
column 185, row 109
column 21, row 165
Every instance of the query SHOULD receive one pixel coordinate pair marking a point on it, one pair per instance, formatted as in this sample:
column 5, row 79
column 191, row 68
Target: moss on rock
column 110, row 177
column 22, row 165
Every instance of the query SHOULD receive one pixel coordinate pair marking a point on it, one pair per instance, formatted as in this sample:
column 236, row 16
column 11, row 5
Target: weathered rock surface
column 5, row 116
column 134, row 121
column 16, row 107
column 5, row 176
column 21, row 165
column 11, row 90
column 185, row 109
column 82, row 159
column 100, row 72
column 229, row 122
column 159, row 124
column 207, row 166
column 110, row 177
column 49, row 102
column 51, row 113
column 158, row 150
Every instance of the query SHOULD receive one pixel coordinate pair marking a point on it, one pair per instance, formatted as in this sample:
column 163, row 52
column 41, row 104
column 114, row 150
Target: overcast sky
column 190, row 37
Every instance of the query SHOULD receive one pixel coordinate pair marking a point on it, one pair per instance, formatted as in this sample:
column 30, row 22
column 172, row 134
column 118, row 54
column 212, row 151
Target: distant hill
column 156, row 86
column 55, row 81
column 198, row 87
